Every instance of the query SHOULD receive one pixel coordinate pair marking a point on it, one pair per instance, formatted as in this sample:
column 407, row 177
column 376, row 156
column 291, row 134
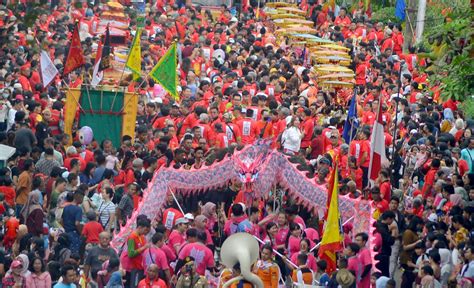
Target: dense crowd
column 61, row 203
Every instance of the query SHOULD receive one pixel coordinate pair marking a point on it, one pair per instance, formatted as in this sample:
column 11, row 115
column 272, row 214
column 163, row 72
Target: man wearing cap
column 188, row 276
column 232, row 130
column 178, row 236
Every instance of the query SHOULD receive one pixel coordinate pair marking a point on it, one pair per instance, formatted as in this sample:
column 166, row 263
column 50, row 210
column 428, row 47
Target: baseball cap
column 189, row 216
column 181, row 221
column 433, row 217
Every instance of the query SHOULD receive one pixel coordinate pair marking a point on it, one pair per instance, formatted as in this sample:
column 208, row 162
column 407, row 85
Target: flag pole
column 123, row 70
column 176, row 201
column 392, row 162
column 319, row 244
column 276, row 252
column 87, row 89
column 352, row 123
column 372, row 140
column 77, row 102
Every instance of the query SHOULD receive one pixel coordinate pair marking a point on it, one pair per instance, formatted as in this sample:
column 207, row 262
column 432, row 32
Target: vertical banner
column 129, row 117
column 70, row 109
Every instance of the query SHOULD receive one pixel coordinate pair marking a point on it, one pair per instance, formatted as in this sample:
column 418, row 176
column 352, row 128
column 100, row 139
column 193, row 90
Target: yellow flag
column 331, row 241
column 134, row 61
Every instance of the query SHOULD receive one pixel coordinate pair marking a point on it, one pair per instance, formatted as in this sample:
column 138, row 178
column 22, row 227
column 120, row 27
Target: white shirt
column 11, row 118
column 291, row 139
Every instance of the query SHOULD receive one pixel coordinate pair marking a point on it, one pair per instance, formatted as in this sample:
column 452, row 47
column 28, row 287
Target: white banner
column 48, row 70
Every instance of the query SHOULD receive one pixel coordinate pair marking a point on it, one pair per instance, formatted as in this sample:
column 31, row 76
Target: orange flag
column 74, row 59
column 331, row 241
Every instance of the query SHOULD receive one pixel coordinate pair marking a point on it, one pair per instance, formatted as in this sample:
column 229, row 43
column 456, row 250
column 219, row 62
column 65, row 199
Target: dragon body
column 260, row 168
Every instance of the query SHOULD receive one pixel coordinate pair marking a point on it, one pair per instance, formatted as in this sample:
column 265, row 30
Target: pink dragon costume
column 259, row 167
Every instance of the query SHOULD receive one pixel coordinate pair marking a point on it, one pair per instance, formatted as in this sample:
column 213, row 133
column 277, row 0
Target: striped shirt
column 105, row 210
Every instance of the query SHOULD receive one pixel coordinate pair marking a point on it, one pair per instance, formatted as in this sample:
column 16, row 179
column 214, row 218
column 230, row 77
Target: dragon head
column 250, row 163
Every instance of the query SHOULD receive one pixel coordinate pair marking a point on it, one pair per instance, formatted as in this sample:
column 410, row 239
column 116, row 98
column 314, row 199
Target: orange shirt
column 268, row 272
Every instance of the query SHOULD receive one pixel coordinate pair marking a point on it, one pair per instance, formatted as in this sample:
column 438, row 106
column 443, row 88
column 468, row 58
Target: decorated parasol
column 292, row 10
column 333, row 60
column 336, row 84
column 328, row 77
column 328, row 69
column 300, row 29
column 335, row 47
column 317, row 53
column 285, row 15
column 279, row 4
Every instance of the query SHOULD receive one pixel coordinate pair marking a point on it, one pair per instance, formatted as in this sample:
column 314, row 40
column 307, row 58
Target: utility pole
column 420, row 20
column 411, row 9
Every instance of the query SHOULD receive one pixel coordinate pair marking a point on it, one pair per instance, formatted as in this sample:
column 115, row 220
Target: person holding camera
column 188, row 277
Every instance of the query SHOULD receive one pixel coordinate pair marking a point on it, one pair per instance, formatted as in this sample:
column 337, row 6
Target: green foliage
column 385, row 15
column 458, row 83
column 451, row 50
column 467, row 106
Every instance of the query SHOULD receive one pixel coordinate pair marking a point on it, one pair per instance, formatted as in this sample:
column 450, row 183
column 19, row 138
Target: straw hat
column 345, row 278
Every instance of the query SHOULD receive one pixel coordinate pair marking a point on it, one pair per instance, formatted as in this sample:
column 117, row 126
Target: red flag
column 377, row 146
column 74, row 59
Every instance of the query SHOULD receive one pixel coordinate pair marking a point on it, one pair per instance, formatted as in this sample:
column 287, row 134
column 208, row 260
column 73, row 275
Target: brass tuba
column 241, row 248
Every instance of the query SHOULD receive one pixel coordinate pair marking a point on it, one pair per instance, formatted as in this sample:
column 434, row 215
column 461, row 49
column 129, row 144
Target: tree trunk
column 410, row 24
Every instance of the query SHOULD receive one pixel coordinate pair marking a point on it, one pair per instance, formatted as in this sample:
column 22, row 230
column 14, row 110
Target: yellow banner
column 130, row 109
column 70, row 109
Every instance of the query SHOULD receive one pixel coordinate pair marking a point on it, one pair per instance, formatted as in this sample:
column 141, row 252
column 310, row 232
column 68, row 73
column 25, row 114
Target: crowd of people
column 61, row 203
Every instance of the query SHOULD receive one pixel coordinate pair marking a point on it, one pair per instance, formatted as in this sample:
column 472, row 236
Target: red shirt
column 67, row 162
column 221, row 140
column 368, row 118
column 387, row 44
column 91, row 231
column 10, row 195
column 429, row 181
column 25, row 83
column 385, row 190
column 147, row 283
column 11, row 227
column 176, row 239
column 361, row 73
column 307, row 128
column 203, row 256
column 381, row 206
column 249, row 129
column 155, row 255
column 463, row 167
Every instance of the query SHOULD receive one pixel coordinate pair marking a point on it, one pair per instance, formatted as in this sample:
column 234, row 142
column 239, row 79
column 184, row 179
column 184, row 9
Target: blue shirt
column 62, row 285
column 71, row 215
column 115, row 280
